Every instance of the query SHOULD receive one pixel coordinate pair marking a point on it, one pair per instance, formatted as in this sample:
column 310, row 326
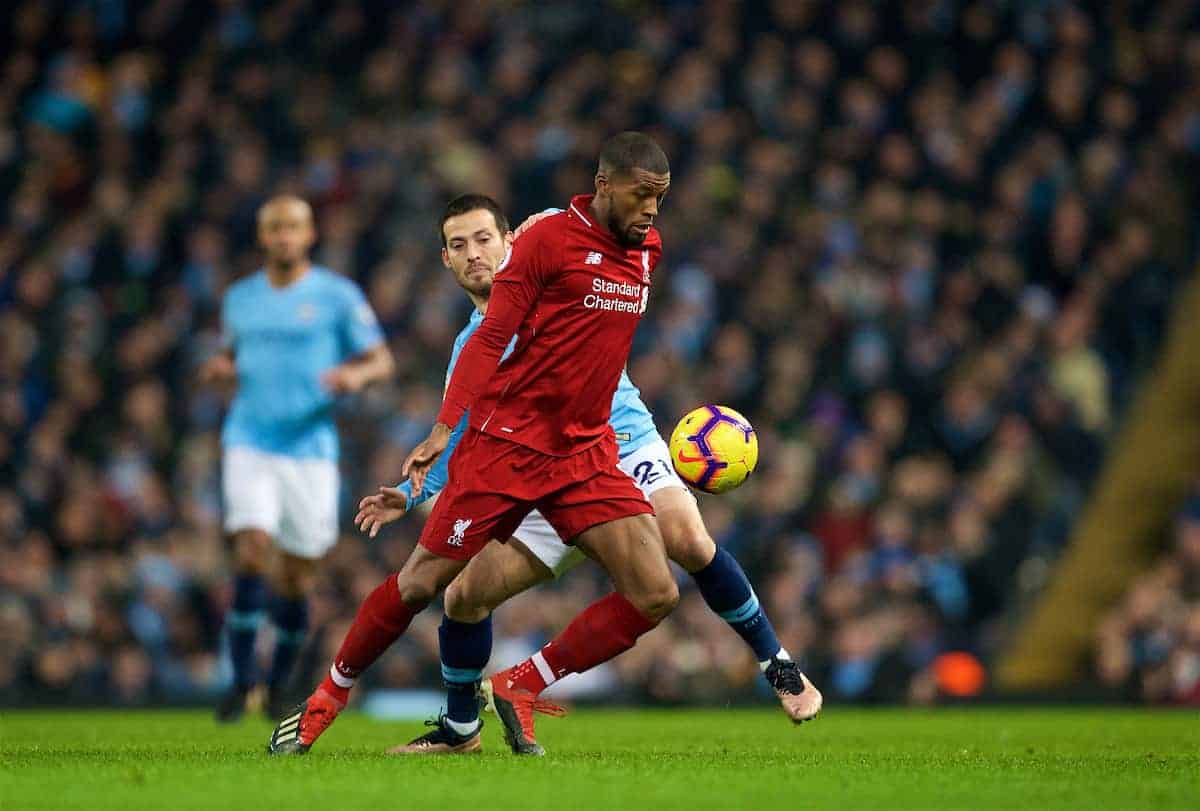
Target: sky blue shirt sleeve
column 360, row 327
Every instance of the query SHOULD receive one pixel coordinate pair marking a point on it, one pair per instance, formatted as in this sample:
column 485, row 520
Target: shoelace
column 787, row 678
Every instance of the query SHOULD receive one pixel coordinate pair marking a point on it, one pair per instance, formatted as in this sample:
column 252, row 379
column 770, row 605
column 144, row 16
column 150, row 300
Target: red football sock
column 381, row 619
column 608, row 627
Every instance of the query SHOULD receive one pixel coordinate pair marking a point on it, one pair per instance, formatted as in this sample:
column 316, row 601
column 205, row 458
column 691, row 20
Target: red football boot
column 515, row 706
column 301, row 727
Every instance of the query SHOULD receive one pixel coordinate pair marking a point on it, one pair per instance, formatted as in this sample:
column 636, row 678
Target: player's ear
column 509, row 236
column 601, row 182
column 445, row 257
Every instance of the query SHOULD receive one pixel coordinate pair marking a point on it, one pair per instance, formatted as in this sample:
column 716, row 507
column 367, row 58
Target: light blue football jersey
column 283, row 340
column 630, row 419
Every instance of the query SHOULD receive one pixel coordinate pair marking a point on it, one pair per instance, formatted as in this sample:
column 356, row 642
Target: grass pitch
column 634, row 759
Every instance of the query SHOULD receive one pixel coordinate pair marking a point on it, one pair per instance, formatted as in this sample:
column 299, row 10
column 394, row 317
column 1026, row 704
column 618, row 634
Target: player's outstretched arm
column 421, row 459
column 534, row 219
column 392, row 503
column 375, row 512
column 219, row 370
column 435, row 479
column 360, row 371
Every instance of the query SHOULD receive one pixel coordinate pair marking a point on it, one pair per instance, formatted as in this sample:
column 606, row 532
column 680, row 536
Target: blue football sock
column 466, row 648
column 242, row 621
column 290, row 617
column 724, row 586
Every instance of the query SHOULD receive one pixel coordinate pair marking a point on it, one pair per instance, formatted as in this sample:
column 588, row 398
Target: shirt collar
column 579, row 207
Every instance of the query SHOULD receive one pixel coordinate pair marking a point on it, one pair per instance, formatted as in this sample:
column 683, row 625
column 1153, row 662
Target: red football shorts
column 492, row 484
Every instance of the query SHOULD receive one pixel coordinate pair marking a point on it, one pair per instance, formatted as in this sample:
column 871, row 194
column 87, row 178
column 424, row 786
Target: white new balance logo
column 593, row 258
column 460, row 529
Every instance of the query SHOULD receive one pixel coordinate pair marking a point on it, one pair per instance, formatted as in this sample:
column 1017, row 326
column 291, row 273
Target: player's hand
column 532, row 220
column 343, row 379
column 417, row 465
column 218, row 370
column 375, row 512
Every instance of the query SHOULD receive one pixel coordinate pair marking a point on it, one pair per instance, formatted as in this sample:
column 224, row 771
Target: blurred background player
column 475, row 239
column 297, row 335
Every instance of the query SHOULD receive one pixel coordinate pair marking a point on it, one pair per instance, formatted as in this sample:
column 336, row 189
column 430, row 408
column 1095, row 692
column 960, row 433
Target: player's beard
column 286, row 261
column 624, row 235
column 479, row 287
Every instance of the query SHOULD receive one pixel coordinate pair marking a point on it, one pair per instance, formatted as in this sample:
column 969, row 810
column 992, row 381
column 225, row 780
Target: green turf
column 731, row 759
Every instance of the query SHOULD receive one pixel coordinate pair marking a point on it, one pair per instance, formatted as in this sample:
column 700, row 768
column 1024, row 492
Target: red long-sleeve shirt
column 573, row 296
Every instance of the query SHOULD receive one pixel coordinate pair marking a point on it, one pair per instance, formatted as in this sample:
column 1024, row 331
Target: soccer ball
column 714, row 448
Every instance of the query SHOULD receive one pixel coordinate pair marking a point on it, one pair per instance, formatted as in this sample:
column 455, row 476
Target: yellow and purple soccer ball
column 714, row 448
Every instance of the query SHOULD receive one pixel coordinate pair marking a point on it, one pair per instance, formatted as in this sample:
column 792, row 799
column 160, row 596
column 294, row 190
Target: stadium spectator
column 1148, row 647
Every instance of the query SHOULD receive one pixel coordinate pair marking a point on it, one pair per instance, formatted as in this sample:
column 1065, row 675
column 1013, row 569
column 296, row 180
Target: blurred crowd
column 1148, row 647
column 927, row 247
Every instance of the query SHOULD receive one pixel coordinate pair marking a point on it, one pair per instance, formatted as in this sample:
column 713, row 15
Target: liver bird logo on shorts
column 460, row 529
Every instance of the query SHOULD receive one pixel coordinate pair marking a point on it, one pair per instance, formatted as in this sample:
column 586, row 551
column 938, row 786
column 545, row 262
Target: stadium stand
column 927, row 248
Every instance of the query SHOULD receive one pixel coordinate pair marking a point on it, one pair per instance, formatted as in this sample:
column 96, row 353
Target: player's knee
column 416, row 591
column 463, row 605
column 657, row 602
column 691, row 547
column 294, row 581
column 250, row 552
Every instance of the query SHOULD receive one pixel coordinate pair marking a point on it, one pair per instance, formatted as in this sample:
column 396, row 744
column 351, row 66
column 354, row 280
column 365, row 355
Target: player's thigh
column 250, row 492
column 541, row 540
column 252, row 551
column 650, row 467
column 500, row 571
column 684, row 535
column 308, row 490
column 631, row 550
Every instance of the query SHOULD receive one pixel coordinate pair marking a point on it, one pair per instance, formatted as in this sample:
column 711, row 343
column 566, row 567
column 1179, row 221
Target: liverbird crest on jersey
column 460, row 530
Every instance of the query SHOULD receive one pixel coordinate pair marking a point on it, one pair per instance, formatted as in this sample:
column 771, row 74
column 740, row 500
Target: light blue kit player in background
column 474, row 242
column 296, row 336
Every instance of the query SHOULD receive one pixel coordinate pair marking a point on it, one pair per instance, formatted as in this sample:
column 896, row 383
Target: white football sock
column 463, row 727
column 783, row 654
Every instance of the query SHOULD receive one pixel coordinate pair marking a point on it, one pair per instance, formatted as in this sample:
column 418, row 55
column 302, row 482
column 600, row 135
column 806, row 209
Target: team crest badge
column 460, row 531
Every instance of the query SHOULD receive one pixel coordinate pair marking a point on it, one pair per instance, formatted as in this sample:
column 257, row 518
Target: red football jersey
column 573, row 295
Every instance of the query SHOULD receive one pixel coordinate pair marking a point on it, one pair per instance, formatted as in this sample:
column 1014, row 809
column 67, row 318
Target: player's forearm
column 481, row 355
column 375, row 365
column 438, row 475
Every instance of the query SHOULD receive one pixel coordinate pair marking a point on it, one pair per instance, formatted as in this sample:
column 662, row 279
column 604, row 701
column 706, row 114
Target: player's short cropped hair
column 466, row 203
column 633, row 150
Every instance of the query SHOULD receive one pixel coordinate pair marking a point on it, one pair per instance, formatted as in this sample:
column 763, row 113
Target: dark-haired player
column 572, row 291
column 474, row 242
